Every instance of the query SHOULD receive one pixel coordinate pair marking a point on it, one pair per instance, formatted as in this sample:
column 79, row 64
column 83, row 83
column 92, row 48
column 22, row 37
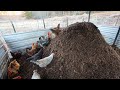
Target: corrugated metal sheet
column 109, row 33
column 19, row 41
column 2, row 51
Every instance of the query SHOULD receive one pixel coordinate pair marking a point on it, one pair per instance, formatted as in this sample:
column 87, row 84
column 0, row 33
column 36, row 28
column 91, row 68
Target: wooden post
column 38, row 24
column 13, row 26
column 5, row 45
column 117, row 21
column 116, row 37
column 89, row 16
column 67, row 21
column 83, row 19
column 44, row 23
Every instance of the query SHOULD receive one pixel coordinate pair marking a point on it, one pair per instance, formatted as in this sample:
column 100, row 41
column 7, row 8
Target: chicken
column 44, row 40
column 52, row 35
column 35, row 75
column 45, row 61
column 33, row 50
column 16, row 55
column 37, row 55
column 34, row 46
column 56, row 30
column 13, row 68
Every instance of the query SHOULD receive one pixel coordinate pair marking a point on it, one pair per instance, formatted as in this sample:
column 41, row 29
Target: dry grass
column 22, row 25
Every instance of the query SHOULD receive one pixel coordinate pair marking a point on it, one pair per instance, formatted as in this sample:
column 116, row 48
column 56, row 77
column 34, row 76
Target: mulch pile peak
column 80, row 53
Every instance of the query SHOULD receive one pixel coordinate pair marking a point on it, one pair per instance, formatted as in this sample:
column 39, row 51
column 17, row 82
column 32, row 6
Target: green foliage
column 28, row 14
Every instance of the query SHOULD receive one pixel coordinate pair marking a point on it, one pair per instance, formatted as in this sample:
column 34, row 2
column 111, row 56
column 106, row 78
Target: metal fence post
column 13, row 26
column 116, row 37
column 89, row 16
column 44, row 23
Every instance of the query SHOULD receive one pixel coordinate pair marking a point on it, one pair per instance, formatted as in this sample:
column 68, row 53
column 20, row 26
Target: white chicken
column 52, row 35
column 45, row 61
column 35, row 75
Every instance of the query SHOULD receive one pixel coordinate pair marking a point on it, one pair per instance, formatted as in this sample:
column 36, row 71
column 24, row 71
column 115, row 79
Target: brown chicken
column 33, row 49
column 13, row 69
column 56, row 30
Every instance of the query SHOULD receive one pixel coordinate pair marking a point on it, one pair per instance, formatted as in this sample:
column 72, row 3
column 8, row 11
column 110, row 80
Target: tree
column 28, row 14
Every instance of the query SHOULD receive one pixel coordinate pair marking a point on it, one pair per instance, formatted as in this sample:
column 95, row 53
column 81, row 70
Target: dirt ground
column 116, row 49
column 80, row 53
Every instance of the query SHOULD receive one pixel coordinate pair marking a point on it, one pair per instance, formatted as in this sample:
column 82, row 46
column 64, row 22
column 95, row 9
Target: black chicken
column 16, row 55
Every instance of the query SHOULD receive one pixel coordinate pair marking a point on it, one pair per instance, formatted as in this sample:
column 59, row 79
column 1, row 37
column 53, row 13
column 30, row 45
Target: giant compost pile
column 81, row 53
column 116, row 49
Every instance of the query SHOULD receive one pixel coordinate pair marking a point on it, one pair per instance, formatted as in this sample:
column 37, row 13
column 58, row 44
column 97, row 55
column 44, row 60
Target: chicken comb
column 49, row 34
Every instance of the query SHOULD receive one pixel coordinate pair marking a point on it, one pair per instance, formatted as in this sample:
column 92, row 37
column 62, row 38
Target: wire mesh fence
column 10, row 27
column 20, row 26
column 14, row 26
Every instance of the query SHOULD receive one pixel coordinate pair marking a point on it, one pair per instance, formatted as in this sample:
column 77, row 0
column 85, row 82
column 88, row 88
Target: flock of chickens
column 35, row 58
